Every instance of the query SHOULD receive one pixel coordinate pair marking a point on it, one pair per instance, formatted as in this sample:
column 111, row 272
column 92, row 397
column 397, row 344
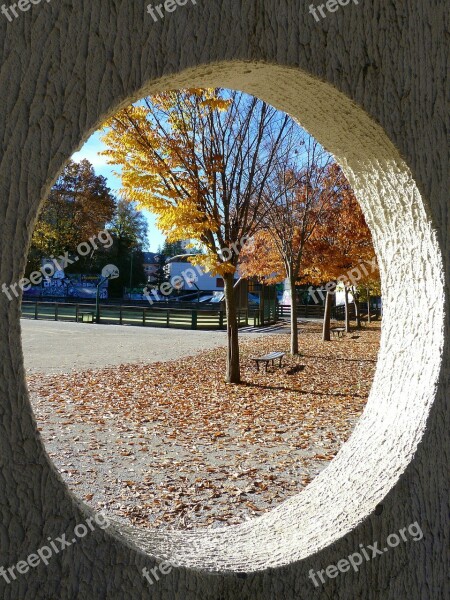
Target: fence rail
column 338, row 312
column 197, row 317
column 177, row 318
column 317, row 311
column 304, row 311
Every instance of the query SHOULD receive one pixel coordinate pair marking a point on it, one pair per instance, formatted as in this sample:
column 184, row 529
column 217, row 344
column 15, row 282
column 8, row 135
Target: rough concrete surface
column 369, row 81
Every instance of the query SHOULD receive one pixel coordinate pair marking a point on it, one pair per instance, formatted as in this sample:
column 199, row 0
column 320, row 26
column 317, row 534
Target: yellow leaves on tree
column 165, row 150
column 200, row 159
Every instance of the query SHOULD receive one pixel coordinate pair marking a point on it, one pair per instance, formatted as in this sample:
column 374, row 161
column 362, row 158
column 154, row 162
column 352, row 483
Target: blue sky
column 90, row 151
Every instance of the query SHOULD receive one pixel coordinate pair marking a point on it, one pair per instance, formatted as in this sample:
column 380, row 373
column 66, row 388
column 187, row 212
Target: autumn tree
column 364, row 286
column 351, row 248
column 370, row 289
column 341, row 251
column 201, row 160
column 306, row 186
column 128, row 228
column 79, row 206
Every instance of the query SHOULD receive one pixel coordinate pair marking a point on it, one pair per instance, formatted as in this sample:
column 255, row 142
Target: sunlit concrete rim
column 392, row 425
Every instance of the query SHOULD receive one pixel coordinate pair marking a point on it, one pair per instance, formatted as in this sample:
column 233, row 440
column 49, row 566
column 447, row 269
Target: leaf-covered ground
column 169, row 445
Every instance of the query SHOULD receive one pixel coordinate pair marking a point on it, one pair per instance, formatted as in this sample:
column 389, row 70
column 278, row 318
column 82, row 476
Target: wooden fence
column 177, row 318
column 316, row 311
column 304, row 311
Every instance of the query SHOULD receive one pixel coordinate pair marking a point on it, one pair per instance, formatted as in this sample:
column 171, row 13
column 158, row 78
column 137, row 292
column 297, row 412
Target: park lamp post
column 108, row 272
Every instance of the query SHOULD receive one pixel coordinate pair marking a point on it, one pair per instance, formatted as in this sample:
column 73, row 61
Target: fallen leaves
column 170, row 445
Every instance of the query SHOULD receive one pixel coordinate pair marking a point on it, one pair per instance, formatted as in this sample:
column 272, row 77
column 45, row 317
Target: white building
column 187, row 276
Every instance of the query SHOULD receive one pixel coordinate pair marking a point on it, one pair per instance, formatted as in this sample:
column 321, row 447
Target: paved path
column 56, row 347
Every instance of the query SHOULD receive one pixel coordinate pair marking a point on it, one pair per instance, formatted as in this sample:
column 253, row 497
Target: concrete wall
column 368, row 82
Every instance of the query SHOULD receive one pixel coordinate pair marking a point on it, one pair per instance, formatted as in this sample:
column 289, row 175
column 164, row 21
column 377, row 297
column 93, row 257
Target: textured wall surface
column 368, row 81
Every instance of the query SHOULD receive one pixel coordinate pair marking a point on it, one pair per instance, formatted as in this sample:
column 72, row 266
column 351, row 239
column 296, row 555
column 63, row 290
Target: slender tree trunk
column 326, row 335
column 262, row 309
column 294, row 323
column 347, row 310
column 369, row 318
column 357, row 311
column 233, row 372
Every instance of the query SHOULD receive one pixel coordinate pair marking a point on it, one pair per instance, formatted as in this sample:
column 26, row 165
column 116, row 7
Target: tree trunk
column 326, row 335
column 233, row 372
column 369, row 318
column 294, row 323
column 347, row 311
column 357, row 313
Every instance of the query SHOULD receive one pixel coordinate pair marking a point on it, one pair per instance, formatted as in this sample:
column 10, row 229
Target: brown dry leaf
column 209, row 453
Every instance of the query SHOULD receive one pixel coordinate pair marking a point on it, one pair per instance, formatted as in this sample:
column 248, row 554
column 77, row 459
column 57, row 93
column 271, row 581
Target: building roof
column 181, row 258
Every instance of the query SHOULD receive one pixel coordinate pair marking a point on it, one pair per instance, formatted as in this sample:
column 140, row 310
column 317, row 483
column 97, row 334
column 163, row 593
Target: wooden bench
column 338, row 331
column 267, row 358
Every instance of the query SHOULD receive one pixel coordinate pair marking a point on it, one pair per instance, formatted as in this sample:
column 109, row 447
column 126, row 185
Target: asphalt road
column 57, row 347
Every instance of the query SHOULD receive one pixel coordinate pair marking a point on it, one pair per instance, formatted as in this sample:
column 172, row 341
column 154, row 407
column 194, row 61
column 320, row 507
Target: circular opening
column 160, row 440
column 384, row 440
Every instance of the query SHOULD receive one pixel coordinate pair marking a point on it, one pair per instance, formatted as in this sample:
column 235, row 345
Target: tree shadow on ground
column 283, row 388
column 358, row 360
